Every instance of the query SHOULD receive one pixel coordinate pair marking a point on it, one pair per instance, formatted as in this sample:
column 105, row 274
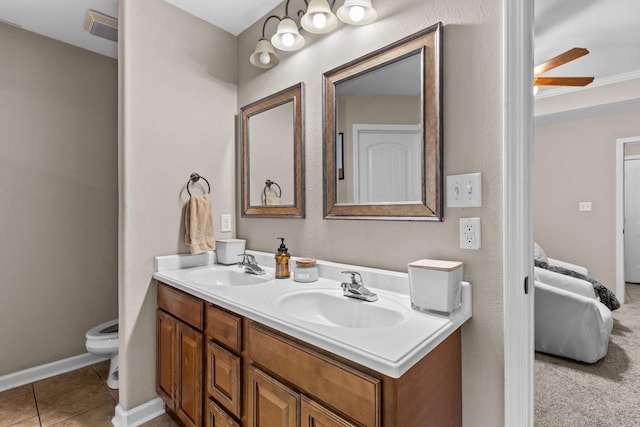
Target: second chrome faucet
column 355, row 288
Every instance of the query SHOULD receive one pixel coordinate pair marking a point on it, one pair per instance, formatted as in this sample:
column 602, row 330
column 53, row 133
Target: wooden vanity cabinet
column 223, row 331
column 312, row 414
column 215, row 416
column 271, row 403
column 179, row 342
column 255, row 376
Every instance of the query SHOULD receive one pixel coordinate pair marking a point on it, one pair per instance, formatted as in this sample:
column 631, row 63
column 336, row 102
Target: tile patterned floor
column 78, row 398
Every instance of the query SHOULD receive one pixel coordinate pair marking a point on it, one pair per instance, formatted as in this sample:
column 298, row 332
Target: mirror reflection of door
column 387, row 96
column 271, row 154
column 632, row 213
column 387, row 163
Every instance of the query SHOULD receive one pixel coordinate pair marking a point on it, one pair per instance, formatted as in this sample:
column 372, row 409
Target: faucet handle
column 354, row 280
column 247, row 258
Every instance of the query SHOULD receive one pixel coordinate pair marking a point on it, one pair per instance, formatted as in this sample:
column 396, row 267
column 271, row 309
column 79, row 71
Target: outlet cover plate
column 225, row 223
column 470, row 237
column 464, row 190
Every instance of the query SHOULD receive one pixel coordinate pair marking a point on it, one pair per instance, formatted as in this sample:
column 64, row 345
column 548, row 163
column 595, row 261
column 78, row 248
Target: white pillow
column 539, row 255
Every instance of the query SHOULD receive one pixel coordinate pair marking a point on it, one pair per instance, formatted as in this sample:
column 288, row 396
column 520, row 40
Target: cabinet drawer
column 216, row 417
column 349, row 391
column 185, row 307
column 223, row 377
column 312, row 414
column 224, row 327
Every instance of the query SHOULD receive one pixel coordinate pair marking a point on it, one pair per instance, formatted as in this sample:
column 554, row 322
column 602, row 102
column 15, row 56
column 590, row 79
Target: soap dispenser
column 282, row 261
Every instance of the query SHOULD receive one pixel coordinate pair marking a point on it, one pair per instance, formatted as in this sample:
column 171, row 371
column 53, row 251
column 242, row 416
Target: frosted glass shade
column 357, row 12
column 264, row 56
column 319, row 19
column 287, row 37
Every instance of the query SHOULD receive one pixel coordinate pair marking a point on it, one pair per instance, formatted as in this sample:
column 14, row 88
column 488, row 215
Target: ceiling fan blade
column 559, row 60
column 562, row 81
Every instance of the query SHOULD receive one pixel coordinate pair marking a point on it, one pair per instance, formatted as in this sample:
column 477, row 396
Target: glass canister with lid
column 306, row 270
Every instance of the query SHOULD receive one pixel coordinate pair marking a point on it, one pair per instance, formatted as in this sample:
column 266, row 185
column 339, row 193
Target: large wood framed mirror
column 272, row 156
column 383, row 133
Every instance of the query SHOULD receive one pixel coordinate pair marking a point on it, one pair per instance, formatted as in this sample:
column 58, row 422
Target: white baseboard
column 27, row 376
column 138, row 415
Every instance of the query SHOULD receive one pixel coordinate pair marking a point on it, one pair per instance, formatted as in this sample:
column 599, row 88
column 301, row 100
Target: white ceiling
column 62, row 19
column 610, row 29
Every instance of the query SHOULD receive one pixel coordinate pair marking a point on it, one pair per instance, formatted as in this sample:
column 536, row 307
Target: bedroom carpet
column 606, row 393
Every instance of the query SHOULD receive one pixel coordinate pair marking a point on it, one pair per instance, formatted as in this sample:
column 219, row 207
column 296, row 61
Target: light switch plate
column 464, row 190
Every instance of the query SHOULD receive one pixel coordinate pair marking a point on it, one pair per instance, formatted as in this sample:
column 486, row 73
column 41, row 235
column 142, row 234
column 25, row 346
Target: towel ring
column 267, row 185
column 195, row 177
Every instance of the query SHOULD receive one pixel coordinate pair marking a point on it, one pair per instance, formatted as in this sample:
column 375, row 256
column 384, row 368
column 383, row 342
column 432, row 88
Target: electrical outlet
column 584, row 206
column 470, row 233
column 225, row 223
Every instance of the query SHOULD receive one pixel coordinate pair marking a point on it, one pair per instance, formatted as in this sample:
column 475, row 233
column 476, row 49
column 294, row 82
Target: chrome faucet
column 356, row 289
column 250, row 264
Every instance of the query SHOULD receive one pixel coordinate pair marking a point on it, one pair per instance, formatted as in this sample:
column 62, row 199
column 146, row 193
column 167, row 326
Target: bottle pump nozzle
column 282, row 247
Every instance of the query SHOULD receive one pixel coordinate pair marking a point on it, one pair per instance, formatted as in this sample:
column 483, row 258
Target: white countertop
column 390, row 350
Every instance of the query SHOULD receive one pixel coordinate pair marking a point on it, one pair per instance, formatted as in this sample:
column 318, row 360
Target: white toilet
column 103, row 340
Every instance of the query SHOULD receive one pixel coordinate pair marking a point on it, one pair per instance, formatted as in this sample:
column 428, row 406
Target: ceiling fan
column 557, row 61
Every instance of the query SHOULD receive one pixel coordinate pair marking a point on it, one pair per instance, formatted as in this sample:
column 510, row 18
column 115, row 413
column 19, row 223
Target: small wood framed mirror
column 383, row 133
column 272, row 156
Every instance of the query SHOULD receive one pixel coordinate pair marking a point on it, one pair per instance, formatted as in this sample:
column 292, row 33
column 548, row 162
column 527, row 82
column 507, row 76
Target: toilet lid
column 104, row 331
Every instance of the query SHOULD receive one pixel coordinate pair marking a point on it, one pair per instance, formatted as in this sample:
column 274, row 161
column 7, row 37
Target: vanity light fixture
column 264, row 56
column 316, row 19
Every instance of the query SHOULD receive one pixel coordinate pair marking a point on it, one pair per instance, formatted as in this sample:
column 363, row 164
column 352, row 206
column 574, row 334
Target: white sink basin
column 216, row 276
column 330, row 308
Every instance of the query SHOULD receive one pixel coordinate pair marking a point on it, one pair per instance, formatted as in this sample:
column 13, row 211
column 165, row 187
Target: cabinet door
column 223, row 377
column 189, row 373
column 165, row 337
column 271, row 404
column 312, row 414
column 216, row 417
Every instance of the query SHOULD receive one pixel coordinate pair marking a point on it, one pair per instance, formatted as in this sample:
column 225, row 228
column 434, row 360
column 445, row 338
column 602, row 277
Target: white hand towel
column 199, row 225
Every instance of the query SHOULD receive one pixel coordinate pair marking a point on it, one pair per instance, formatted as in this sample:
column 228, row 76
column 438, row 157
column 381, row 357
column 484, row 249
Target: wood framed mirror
column 272, row 156
column 383, row 124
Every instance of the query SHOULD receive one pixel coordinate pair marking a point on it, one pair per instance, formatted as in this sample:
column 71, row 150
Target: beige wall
column 177, row 114
column 576, row 162
column 58, row 185
column 632, row 149
column 472, row 143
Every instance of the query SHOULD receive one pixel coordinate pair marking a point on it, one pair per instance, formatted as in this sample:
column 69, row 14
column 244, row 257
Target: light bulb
column 356, row 13
column 288, row 39
column 265, row 58
column 319, row 20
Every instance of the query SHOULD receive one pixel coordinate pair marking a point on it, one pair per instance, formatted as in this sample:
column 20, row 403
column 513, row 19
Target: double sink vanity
column 237, row 349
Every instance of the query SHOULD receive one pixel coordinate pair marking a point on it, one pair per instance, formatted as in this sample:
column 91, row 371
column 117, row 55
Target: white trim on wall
column 138, row 415
column 609, row 109
column 518, row 211
column 48, row 370
column 620, row 282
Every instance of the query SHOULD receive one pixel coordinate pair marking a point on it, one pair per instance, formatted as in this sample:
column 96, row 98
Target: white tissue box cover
column 434, row 285
column 227, row 250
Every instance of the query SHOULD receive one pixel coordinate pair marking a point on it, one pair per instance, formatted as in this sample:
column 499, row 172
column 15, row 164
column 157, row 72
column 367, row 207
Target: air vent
column 101, row 25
